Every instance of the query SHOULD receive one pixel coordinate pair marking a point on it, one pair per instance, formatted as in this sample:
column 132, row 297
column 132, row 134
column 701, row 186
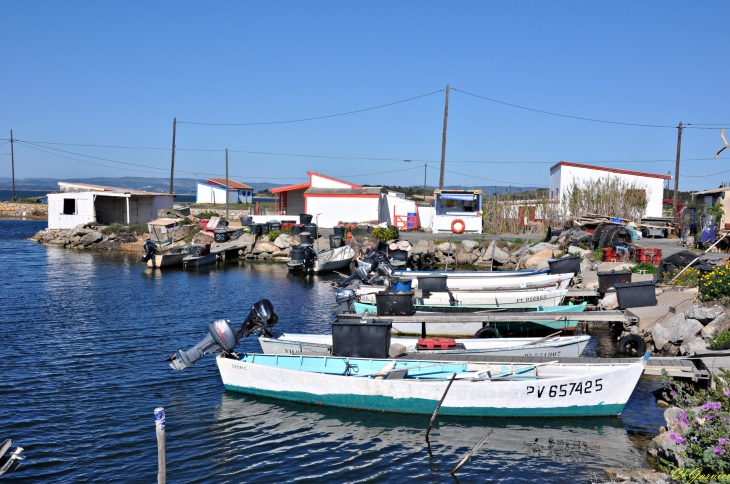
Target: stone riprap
column 19, row 210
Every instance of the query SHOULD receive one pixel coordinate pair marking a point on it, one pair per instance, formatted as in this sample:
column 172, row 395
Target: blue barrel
column 411, row 224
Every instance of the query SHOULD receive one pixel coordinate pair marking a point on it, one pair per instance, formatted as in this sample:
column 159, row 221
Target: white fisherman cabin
column 82, row 203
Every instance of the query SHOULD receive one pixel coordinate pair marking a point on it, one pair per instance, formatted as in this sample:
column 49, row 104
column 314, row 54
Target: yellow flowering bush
column 689, row 278
column 715, row 285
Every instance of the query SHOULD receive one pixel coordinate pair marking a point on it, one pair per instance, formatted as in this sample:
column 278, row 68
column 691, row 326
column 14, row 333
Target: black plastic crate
column 433, row 283
column 394, row 303
column 565, row 265
column 607, row 280
column 361, row 340
column 636, row 294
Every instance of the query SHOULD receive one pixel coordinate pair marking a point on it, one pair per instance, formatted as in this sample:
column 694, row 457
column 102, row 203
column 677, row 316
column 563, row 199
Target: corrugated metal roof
column 102, row 188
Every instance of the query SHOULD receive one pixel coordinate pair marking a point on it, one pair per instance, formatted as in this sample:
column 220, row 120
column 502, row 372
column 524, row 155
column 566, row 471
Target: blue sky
column 117, row 74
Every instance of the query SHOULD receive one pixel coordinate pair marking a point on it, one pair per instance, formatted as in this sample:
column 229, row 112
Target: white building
column 563, row 174
column 81, row 203
column 213, row 190
column 329, row 200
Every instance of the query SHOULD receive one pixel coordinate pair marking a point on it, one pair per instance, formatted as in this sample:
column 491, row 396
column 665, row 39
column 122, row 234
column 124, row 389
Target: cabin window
column 69, row 206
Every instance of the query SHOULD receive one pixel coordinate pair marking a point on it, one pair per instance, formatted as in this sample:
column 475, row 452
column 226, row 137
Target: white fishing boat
column 478, row 389
column 469, row 274
column 556, row 346
column 198, row 261
column 516, row 283
column 521, row 299
column 549, row 389
column 325, row 261
column 166, row 259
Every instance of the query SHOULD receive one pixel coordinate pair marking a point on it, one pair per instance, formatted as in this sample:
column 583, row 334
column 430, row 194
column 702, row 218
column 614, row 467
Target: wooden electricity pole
column 443, row 140
column 676, row 171
column 172, row 164
column 12, row 163
column 425, row 172
column 226, row 183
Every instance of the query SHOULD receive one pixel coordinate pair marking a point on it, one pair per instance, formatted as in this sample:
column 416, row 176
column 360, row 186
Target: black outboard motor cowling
column 345, row 298
column 222, row 337
column 150, row 248
column 310, row 255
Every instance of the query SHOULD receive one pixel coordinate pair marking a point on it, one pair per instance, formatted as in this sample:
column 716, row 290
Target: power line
column 703, row 176
column 313, row 118
column 578, row 117
column 490, row 179
column 362, row 158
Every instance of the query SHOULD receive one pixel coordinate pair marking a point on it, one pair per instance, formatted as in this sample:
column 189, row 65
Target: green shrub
column 384, row 234
column 273, row 234
column 516, row 244
column 136, row 229
column 706, row 415
column 715, row 285
column 209, row 215
column 720, row 339
column 689, row 278
column 598, row 255
column 646, row 267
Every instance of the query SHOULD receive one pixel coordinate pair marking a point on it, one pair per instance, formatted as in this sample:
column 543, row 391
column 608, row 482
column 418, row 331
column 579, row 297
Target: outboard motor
column 149, row 250
column 345, row 298
column 222, row 337
column 309, row 257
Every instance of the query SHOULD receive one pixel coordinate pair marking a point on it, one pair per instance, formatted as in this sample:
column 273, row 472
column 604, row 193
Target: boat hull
column 570, row 390
column 564, row 347
column 166, row 260
column 199, row 261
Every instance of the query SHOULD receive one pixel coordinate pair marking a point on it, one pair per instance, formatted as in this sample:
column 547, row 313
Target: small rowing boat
column 478, row 389
column 562, row 346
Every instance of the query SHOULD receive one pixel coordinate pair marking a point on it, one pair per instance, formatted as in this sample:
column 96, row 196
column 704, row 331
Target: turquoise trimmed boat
column 469, row 329
column 478, row 389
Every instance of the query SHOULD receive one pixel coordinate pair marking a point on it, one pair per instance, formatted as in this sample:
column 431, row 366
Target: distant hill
column 160, row 185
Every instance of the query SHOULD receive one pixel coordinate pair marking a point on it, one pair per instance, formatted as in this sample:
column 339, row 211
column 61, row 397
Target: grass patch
column 136, row 229
column 646, row 267
column 720, row 339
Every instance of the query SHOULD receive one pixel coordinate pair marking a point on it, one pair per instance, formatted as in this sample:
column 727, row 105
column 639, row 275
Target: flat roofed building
column 82, row 203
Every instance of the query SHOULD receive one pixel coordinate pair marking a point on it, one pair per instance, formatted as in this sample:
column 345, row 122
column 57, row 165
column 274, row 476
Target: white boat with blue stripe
column 479, row 389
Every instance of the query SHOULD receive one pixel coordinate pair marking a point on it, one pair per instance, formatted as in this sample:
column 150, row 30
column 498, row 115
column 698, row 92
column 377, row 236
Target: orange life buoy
column 460, row 230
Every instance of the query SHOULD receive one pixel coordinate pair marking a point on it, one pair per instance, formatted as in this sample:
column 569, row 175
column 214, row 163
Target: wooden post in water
column 161, row 459
column 435, row 412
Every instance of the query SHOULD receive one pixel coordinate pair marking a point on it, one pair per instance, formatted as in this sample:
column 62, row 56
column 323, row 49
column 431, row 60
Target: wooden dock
column 502, row 317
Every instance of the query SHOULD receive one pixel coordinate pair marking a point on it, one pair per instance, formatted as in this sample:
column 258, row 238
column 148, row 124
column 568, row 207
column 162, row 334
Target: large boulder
column 282, row 241
column 265, row 247
column 609, row 301
column 543, row 246
column 446, row 247
column 469, row 245
column 423, row 246
column 675, row 330
column 539, row 261
column 692, row 346
column 81, row 230
column 91, row 238
column 281, row 253
column 465, row 258
column 500, row 256
column 717, row 326
column 702, row 314
column 573, row 250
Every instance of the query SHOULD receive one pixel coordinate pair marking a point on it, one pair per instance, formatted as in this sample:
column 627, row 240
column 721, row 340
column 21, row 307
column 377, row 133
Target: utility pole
column 226, row 183
column 12, row 163
column 172, row 164
column 425, row 172
column 443, row 140
column 676, row 171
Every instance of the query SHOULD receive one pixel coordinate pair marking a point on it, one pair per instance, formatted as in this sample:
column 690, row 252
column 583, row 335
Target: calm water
column 84, row 341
